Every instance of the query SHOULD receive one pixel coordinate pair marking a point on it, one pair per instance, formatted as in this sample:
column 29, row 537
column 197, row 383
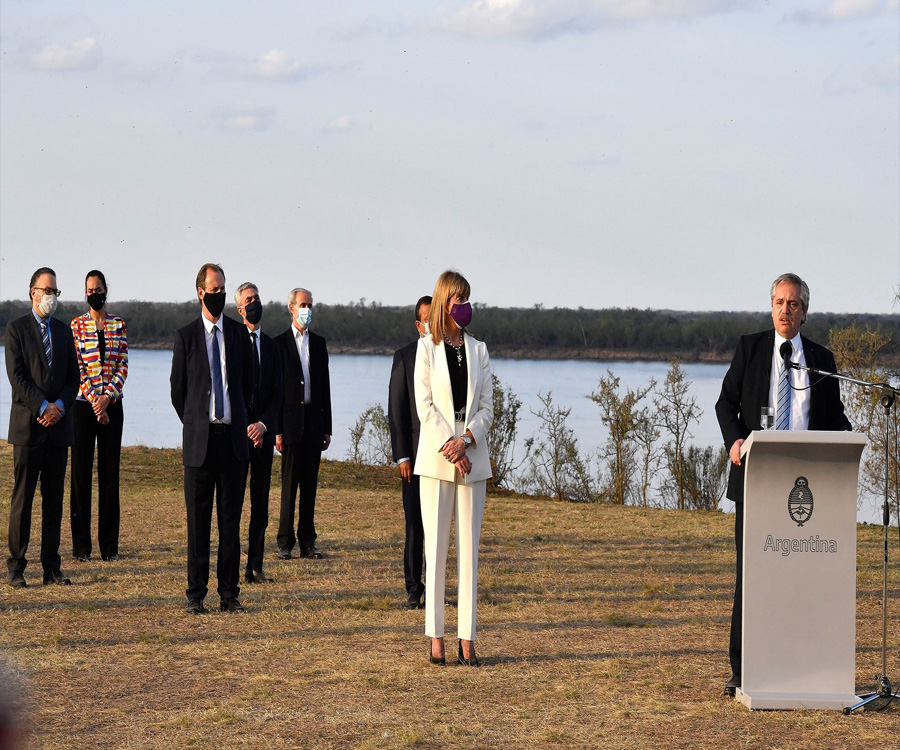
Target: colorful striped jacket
column 106, row 379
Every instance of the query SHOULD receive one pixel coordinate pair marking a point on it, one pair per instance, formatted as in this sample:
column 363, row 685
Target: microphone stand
column 883, row 688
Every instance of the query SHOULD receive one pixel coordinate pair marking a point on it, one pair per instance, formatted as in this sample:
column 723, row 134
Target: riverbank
column 599, row 626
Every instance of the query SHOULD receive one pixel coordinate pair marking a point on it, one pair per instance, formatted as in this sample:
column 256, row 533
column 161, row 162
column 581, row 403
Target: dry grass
column 600, row 627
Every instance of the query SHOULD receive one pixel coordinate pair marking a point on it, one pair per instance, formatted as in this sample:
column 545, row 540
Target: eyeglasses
column 48, row 290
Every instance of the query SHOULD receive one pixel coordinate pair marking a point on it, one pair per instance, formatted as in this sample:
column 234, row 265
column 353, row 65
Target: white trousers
column 441, row 501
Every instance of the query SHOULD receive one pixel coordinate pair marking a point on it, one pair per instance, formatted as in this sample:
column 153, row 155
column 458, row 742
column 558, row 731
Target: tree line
column 533, row 333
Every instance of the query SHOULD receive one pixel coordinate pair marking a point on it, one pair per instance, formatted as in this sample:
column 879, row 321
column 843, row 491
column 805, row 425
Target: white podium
column 799, row 609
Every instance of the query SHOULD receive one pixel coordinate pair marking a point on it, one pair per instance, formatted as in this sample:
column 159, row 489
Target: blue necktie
column 48, row 350
column 783, row 415
column 218, row 390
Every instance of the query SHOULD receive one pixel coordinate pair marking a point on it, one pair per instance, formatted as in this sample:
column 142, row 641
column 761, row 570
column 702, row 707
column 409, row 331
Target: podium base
column 772, row 700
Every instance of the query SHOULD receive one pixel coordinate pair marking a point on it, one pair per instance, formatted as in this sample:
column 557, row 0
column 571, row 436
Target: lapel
column 472, row 374
column 765, row 352
column 443, row 394
column 34, row 331
column 200, row 343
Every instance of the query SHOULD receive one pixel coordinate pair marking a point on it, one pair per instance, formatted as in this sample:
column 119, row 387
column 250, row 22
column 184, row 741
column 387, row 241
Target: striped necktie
column 783, row 415
column 45, row 337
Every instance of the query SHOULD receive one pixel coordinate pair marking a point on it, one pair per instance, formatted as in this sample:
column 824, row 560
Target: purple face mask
column 461, row 314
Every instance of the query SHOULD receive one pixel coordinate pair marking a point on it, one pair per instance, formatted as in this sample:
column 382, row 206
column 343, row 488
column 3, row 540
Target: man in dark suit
column 304, row 426
column 758, row 377
column 211, row 380
column 265, row 404
column 404, row 423
column 43, row 375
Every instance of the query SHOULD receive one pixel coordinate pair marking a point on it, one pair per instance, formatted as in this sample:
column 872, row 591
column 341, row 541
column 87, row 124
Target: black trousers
column 260, row 470
column 299, row 475
column 46, row 462
column 221, row 478
column 414, row 549
column 734, row 641
column 108, row 438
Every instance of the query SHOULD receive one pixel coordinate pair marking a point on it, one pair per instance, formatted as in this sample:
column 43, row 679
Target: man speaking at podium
column 762, row 374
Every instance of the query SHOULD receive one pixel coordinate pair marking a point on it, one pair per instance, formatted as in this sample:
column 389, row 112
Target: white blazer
column 434, row 404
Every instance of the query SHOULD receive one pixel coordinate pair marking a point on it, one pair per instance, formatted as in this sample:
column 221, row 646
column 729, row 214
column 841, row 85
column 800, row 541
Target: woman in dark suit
column 454, row 401
column 101, row 348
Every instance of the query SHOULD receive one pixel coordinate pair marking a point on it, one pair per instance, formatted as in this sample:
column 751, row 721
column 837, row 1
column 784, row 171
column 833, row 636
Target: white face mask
column 47, row 305
column 304, row 316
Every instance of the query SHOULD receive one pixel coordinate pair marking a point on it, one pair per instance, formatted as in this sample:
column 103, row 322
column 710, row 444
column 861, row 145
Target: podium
column 799, row 608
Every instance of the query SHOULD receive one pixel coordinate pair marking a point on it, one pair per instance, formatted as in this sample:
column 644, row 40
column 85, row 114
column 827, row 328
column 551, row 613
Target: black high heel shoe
column 442, row 660
column 473, row 662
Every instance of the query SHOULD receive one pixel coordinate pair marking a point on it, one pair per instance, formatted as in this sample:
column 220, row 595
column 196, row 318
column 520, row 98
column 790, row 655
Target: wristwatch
column 468, row 441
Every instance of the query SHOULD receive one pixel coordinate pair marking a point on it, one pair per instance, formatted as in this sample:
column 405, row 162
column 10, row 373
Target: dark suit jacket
column 402, row 415
column 745, row 391
column 191, row 385
column 32, row 381
column 296, row 422
column 265, row 401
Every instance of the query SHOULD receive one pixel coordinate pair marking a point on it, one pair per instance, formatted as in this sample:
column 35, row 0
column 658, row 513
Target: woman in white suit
column 454, row 401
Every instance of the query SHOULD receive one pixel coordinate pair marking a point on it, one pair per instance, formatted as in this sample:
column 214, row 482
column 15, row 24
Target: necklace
column 459, row 355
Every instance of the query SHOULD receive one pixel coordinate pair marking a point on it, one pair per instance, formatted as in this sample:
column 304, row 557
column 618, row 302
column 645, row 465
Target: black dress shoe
column 732, row 685
column 110, row 558
column 311, row 552
column 442, row 660
column 473, row 662
column 17, row 580
column 257, row 577
column 82, row 558
column 231, row 605
column 57, row 577
column 284, row 554
column 413, row 603
column 195, row 607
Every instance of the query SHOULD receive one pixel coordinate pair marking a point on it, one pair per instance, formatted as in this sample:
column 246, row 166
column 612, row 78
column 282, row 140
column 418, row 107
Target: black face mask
column 254, row 312
column 215, row 303
column 96, row 301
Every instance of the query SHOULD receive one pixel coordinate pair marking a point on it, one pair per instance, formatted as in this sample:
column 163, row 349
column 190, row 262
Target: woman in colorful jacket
column 102, row 351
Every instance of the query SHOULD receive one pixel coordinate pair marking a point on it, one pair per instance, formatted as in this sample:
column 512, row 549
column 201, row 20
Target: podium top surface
column 803, row 437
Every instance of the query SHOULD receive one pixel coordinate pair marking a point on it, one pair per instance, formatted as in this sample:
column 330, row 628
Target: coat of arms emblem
column 800, row 501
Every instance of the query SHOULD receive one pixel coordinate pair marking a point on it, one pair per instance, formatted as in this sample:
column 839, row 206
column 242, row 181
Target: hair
column 239, row 291
column 792, row 278
column 99, row 275
column 449, row 284
column 426, row 300
column 37, row 274
column 201, row 274
column 294, row 292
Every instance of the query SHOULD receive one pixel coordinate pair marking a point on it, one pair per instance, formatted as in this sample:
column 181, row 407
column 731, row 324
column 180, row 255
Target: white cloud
column 838, row 11
column 544, row 18
column 248, row 118
column 278, row 65
column 78, row 56
column 340, row 123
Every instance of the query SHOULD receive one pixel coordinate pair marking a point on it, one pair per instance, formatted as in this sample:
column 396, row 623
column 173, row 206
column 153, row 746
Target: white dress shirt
column 799, row 379
column 226, row 413
column 302, row 339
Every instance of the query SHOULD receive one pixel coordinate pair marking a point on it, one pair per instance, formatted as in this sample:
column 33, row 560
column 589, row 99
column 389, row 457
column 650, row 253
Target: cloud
column 247, row 118
column 340, row 123
column 839, row 11
column 548, row 18
column 278, row 65
column 80, row 55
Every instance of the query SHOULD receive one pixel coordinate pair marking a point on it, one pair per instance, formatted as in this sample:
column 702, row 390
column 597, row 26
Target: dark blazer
column 402, row 415
column 191, row 385
column 296, row 422
column 265, row 401
column 745, row 390
column 32, row 381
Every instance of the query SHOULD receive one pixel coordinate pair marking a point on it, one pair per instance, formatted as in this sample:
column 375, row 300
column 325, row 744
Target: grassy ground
column 600, row 627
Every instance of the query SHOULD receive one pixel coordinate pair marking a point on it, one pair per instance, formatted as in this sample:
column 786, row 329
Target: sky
column 665, row 154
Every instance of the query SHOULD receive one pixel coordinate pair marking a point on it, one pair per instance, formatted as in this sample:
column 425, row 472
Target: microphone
column 786, row 350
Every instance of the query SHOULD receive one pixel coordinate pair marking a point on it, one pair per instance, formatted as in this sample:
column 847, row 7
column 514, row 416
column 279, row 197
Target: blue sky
column 598, row 153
